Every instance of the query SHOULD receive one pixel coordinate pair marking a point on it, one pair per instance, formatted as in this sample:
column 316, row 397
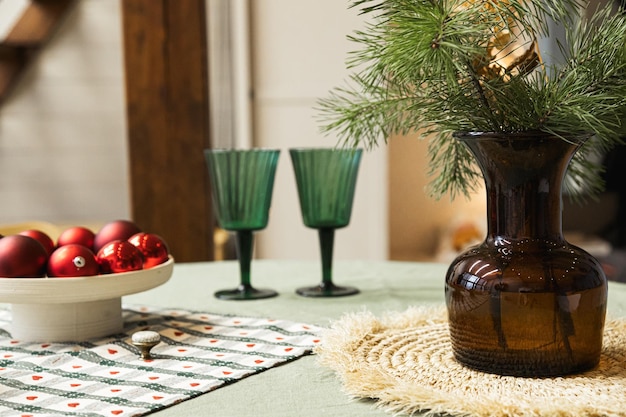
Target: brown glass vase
column 525, row 302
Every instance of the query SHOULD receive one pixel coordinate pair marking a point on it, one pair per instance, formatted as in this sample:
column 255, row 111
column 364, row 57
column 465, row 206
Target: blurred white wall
column 63, row 131
column 299, row 53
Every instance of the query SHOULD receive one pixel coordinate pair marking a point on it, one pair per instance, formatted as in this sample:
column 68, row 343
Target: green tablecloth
column 301, row 388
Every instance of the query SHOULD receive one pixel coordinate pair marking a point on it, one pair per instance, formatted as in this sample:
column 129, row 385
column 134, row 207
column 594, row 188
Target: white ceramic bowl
column 74, row 309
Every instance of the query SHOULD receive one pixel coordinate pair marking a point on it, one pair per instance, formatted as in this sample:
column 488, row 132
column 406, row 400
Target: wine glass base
column 326, row 290
column 245, row 293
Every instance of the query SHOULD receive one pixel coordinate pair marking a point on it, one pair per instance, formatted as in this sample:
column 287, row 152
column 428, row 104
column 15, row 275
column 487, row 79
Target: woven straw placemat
column 404, row 362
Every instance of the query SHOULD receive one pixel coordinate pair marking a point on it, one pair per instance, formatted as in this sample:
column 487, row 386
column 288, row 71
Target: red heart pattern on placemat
column 106, row 368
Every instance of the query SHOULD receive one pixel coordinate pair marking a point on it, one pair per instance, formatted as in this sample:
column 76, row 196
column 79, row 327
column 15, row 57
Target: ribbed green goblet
column 242, row 183
column 326, row 179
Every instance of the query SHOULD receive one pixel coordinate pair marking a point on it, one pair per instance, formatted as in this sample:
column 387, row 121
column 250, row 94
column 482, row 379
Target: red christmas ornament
column 119, row 256
column 115, row 230
column 22, row 257
column 76, row 235
column 41, row 237
column 73, row 261
column 153, row 248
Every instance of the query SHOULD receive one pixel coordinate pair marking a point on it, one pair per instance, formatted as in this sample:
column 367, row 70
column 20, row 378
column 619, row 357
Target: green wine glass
column 326, row 180
column 242, row 182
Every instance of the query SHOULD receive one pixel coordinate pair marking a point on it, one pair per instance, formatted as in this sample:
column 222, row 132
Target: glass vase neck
column 523, row 175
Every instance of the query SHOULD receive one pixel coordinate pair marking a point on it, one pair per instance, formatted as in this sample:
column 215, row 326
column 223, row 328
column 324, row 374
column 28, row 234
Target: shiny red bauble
column 119, row 256
column 22, row 257
column 76, row 235
column 72, row 260
column 153, row 248
column 41, row 237
column 115, row 230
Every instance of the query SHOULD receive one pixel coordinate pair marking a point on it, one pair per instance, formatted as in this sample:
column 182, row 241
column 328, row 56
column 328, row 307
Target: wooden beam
column 31, row 31
column 12, row 62
column 165, row 50
column 38, row 22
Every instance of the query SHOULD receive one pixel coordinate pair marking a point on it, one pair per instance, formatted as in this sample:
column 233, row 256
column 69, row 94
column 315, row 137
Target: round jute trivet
column 404, row 361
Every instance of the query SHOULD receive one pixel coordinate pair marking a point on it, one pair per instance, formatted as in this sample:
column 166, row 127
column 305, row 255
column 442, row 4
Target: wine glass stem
column 244, row 254
column 327, row 239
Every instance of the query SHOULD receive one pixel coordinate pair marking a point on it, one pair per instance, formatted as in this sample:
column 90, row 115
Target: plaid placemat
column 199, row 352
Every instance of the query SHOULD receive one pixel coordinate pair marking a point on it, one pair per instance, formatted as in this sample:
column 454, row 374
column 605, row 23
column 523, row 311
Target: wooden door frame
column 167, row 97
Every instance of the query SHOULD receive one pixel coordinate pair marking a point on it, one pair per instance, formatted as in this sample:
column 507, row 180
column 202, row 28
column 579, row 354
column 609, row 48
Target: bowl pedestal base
column 65, row 322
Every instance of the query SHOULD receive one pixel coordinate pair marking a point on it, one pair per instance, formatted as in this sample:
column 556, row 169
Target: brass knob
column 144, row 341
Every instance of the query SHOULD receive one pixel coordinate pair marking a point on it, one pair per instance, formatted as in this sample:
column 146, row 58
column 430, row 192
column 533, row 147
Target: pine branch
column 440, row 66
